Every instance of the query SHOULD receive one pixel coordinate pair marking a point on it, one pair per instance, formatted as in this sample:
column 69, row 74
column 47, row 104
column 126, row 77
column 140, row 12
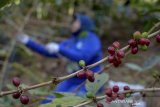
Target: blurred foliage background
column 50, row 21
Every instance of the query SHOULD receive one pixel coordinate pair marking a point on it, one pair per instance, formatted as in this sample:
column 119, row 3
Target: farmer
column 82, row 45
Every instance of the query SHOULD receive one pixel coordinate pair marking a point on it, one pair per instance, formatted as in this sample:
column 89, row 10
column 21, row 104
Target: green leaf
column 100, row 80
column 134, row 67
column 62, row 94
column 3, row 3
column 65, row 101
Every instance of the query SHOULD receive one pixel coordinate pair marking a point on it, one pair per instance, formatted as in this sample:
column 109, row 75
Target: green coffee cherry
column 82, row 63
column 128, row 95
column 89, row 95
column 145, row 35
column 143, row 47
column 137, row 35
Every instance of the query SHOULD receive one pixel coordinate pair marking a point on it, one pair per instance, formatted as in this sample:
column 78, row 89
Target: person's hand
column 23, row 38
column 52, row 47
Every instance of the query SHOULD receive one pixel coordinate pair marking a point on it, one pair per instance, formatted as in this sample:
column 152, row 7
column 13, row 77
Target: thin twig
column 153, row 28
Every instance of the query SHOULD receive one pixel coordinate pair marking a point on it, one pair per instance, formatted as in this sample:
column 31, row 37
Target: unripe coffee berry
column 82, row 63
column 145, row 35
column 89, row 95
column 137, row 35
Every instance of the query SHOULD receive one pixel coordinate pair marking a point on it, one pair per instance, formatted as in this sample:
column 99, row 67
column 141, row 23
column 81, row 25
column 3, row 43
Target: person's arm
column 39, row 48
column 88, row 49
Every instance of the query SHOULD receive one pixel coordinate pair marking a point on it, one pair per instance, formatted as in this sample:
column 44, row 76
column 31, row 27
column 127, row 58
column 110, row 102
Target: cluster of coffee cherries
column 112, row 93
column 86, row 73
column 115, row 54
column 18, row 95
column 139, row 41
column 158, row 38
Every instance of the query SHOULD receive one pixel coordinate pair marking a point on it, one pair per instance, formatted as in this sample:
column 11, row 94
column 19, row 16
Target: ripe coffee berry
column 144, row 41
column 99, row 105
column 108, row 100
column 91, row 79
column 16, row 81
column 111, row 59
column 121, row 96
column 24, row 99
column 16, row 95
column 158, row 38
column 114, row 96
column 111, row 50
column 116, row 44
column 108, row 92
column 132, row 43
column 120, row 54
column 115, row 88
column 89, row 73
column 134, row 50
column 126, row 88
column 81, row 74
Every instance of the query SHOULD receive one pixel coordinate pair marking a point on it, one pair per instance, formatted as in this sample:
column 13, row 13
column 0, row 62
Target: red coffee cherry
column 108, row 92
column 91, row 79
column 148, row 42
column 108, row 100
column 120, row 54
column 126, row 88
column 16, row 81
column 81, row 74
column 116, row 45
column 134, row 50
column 121, row 96
column 111, row 50
column 132, row 43
column 24, row 99
column 99, row 105
column 144, row 41
column 115, row 88
column 158, row 38
column 111, row 58
column 114, row 96
column 89, row 73
column 16, row 95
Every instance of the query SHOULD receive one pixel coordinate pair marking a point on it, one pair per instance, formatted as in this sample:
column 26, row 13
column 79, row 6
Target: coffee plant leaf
column 100, row 80
column 65, row 101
